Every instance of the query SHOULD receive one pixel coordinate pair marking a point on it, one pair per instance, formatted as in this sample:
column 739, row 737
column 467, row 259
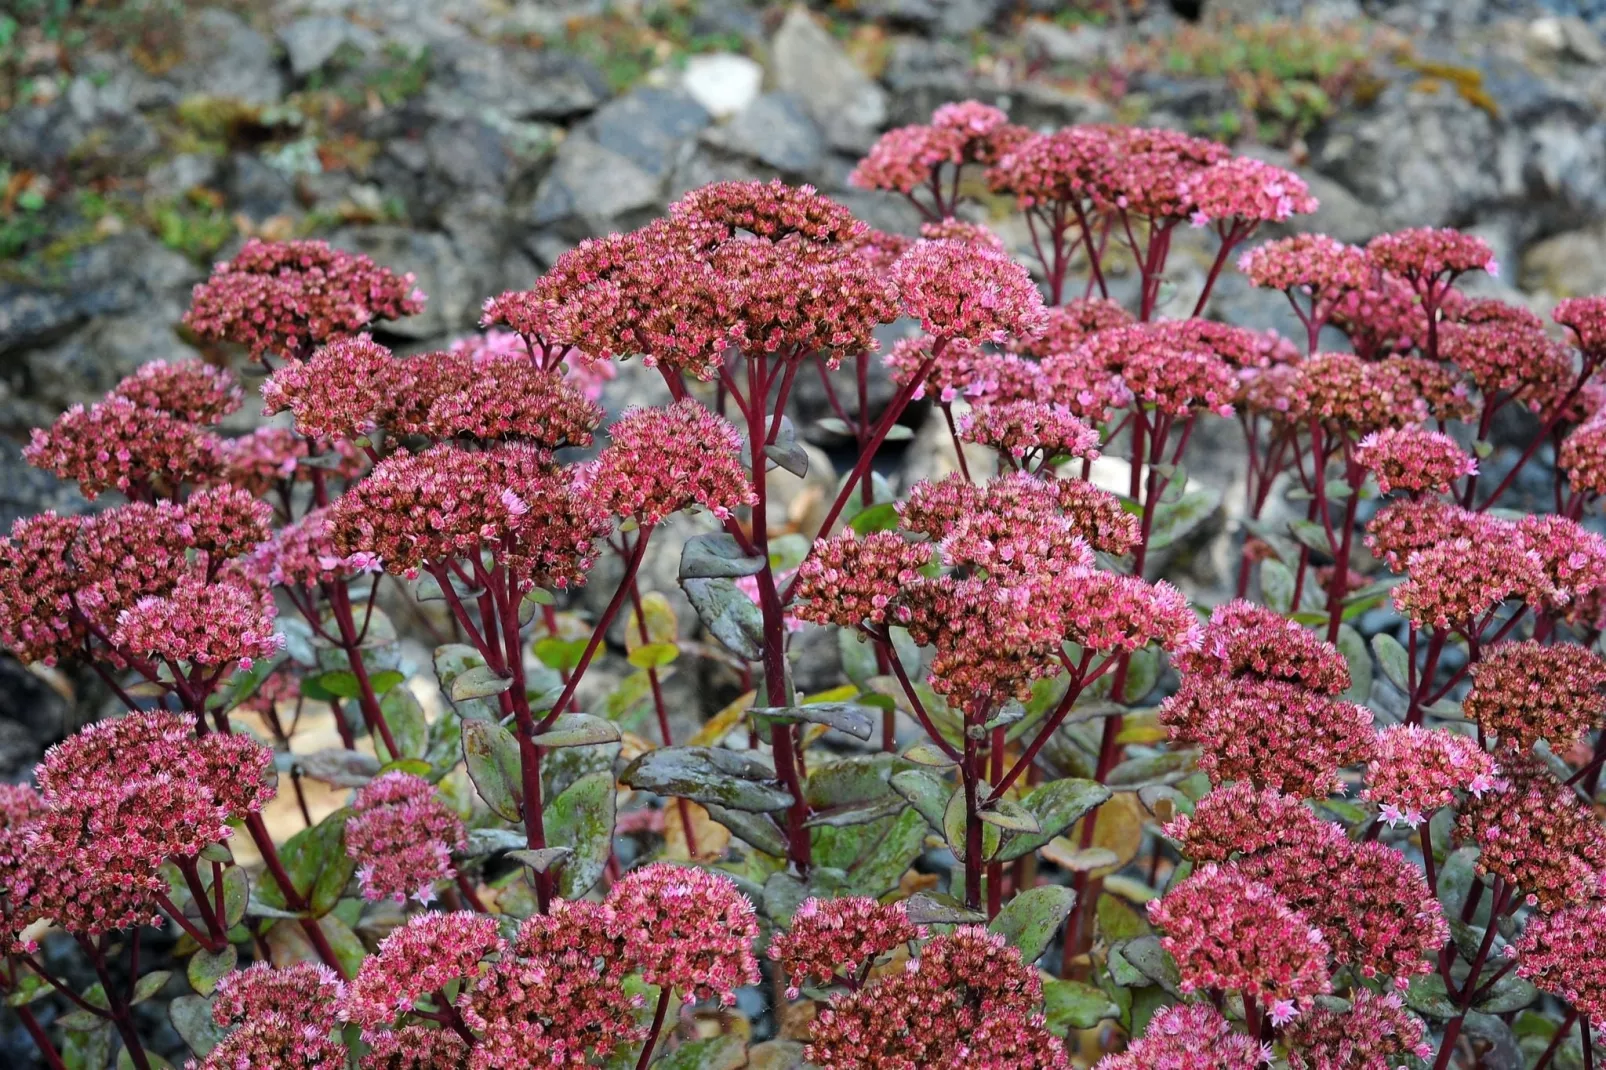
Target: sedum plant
column 1052, row 811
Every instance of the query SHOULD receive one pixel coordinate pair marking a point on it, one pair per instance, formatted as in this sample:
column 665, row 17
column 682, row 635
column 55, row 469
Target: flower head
column 1240, row 818
column 1561, row 954
column 1188, row 1036
column 1240, row 347
column 118, row 445
column 185, row 389
column 1453, row 583
column 1528, row 691
column 270, row 456
column 839, row 936
column 344, row 390
column 1097, row 516
column 428, row 952
column 1352, row 395
column 402, row 838
column 1583, row 457
column 1585, row 317
column 1030, row 428
column 963, row 291
column 305, row 990
column 277, row 1040
column 1110, row 613
column 689, row 929
column 287, row 297
column 302, row 554
column 225, row 522
column 1401, row 528
column 202, row 623
column 1519, row 361
column 417, row 1047
column 1574, row 559
column 1413, row 459
column 849, row 579
column 1243, row 639
column 1314, row 264
column 770, row 210
column 1415, row 772
column 509, row 398
column 126, row 553
column 1070, row 324
column 1271, row 733
column 36, row 585
column 1229, row 932
column 1083, row 382
column 1373, row 1034
column 1421, row 254
column 1244, row 188
column 660, row 461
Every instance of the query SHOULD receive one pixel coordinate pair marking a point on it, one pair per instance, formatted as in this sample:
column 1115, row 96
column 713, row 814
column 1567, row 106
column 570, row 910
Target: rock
column 312, row 41
column 1572, row 264
column 1081, row 46
column 807, row 61
column 36, row 716
column 592, row 190
column 84, row 366
column 1042, row 105
column 116, row 276
column 648, row 127
column 776, row 131
column 25, row 490
column 224, row 57
column 724, row 83
column 923, row 74
column 1340, row 213
column 945, row 17
column 728, row 18
column 177, row 176
column 467, row 155
column 257, row 188
column 469, row 76
column 1568, row 37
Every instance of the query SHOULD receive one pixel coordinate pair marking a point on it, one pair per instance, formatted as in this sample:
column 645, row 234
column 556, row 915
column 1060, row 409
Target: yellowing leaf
column 713, row 733
column 712, row 837
column 662, row 626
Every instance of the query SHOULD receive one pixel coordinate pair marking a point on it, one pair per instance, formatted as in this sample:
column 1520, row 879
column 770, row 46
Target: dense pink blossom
column 1240, row 818
column 276, row 1040
column 1561, row 953
column 967, row 1003
column 186, row 389
column 284, row 298
column 125, row 553
column 1417, row 771
column 1244, row 188
column 1424, row 253
column 1455, row 582
column 269, row 457
column 344, row 390
column 1536, row 834
column 305, row 990
column 201, row 623
column 771, row 210
column 1229, row 932
column 962, row 291
column 1189, row 1036
column 1518, row 361
column 1528, row 691
column 1574, row 558
column 302, row 554
column 1058, row 168
column 419, row 958
column 831, row 937
column 509, row 398
column 660, row 461
column 1413, row 459
column 1240, row 347
column 689, row 929
column 1355, row 396
column 1112, row 613
column 225, row 522
column 1243, row 639
column 949, row 373
column 849, row 579
column 402, row 838
column 960, row 230
column 417, row 1047
column 1180, row 381
column 1585, row 317
column 1371, row 1035
column 1011, row 526
column 20, row 805
column 1382, row 317
column 36, row 585
column 117, row 445
column 1070, row 324
column 990, row 641
column 1083, row 383
column 1097, row 516
column 1401, row 528
column 1269, row 732
column 1314, row 264
column 1583, row 457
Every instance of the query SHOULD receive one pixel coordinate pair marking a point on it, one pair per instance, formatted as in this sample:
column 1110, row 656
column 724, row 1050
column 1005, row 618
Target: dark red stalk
column 612, row 611
column 664, row 995
column 662, row 710
column 40, row 1038
column 122, row 1019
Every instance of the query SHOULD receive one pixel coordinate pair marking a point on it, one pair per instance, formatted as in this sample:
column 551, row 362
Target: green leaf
column 287, row 942
column 1115, row 921
column 1030, row 920
column 540, row 859
column 483, row 842
column 929, row 755
column 882, row 517
column 27, row 987
column 341, row 683
column 1277, row 586
column 858, row 657
column 561, row 654
column 715, row 556
column 578, row 730
column 492, row 755
column 1310, row 534
column 850, row 781
column 934, row 908
column 1056, row 805
column 1353, row 647
column 706, row 775
column 850, row 717
column 926, row 792
column 1166, row 767
column 205, row 969
column 1174, row 521
column 1394, row 661
column 1011, row 817
column 531, row 603
column 1075, row 1005
column 654, row 655
column 452, row 660
column 758, row 830
column 728, row 614
column 408, row 726
column 481, row 681
column 1428, row 996
column 315, row 861
column 384, row 680
column 338, row 767
column 192, row 1020
column 86, row 1049
column 428, row 589
column 582, row 819
column 148, row 985
column 716, row 1053
column 887, row 850
column 784, row 893
column 791, row 457
column 243, row 683
column 236, row 895
column 954, row 820
column 1142, row 673
column 1144, row 960
column 1510, row 993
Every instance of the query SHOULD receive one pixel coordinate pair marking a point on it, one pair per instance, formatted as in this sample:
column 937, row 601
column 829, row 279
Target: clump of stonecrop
column 1359, row 795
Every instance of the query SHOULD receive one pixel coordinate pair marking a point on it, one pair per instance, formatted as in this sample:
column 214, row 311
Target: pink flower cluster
column 284, row 298
column 1372, row 1034
column 402, row 838
column 1243, row 639
column 1415, row 772
column 1527, row 691
column 1413, row 459
column 224, row 623
column 186, row 389
column 1189, row 1036
column 849, row 580
column 660, row 461
column 117, row 444
column 843, row 936
column 1024, row 430
column 963, row 292
column 1561, row 953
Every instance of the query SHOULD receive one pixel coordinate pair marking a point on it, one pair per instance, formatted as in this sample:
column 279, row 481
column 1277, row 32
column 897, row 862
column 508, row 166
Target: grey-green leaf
column 715, row 556
column 492, row 755
column 578, row 730
column 1075, row 1005
column 205, row 969
column 1394, row 661
column 1030, row 920
column 1057, row 805
column 582, row 819
column 850, row 717
column 709, row 775
column 729, row 615
column 481, row 681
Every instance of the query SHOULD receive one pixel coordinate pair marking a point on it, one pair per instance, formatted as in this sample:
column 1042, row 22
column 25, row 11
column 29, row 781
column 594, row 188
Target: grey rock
column 119, row 275
column 706, row 163
column 312, row 41
column 923, row 74
column 1340, row 213
column 468, row 155
column 1081, row 46
column 88, row 363
column 728, row 17
column 1042, row 105
column 521, row 83
column 454, row 293
column 648, row 127
column 590, row 189
column 75, row 131
column 224, row 57
column 951, row 17
column 180, row 174
column 36, row 716
column 26, row 490
column 807, row 61
column 1570, row 264
column 722, row 82
column 776, row 131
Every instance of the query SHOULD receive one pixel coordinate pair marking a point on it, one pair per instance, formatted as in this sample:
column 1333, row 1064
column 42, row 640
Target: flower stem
column 657, row 1027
